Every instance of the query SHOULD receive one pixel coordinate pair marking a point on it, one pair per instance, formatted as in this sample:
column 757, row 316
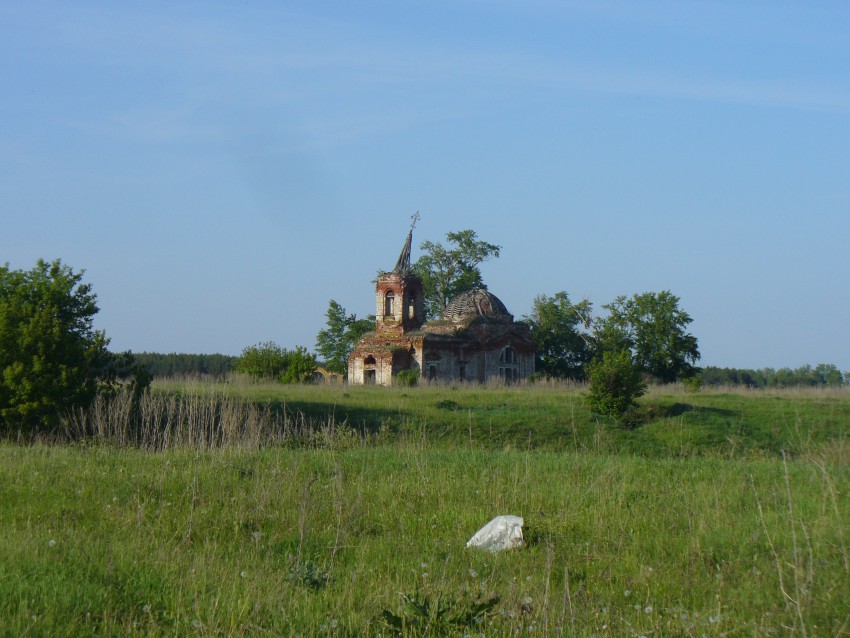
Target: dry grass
column 158, row 421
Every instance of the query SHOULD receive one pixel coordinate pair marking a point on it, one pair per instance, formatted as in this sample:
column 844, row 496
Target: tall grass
column 158, row 421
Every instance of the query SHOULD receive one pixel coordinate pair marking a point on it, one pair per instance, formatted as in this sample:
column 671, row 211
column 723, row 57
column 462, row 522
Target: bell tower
column 399, row 296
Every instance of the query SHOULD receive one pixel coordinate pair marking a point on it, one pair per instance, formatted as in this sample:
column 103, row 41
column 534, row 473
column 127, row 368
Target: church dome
column 476, row 303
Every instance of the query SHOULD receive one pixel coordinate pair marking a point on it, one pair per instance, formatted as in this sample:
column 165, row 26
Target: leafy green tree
column 339, row 336
column 448, row 271
column 653, row 327
column 267, row 360
column 331, row 342
column 615, row 382
column 357, row 329
column 300, row 365
column 828, row 374
column 51, row 357
column 559, row 329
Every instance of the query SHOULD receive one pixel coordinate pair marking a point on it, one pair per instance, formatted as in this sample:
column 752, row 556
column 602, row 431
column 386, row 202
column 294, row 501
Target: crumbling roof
column 402, row 266
column 476, row 303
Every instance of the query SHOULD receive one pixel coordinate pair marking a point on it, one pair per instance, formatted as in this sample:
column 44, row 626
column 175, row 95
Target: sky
column 222, row 170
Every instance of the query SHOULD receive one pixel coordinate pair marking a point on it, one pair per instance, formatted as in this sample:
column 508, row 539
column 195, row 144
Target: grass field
column 727, row 515
column 718, row 423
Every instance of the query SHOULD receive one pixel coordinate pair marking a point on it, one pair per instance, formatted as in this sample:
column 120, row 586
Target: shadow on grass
column 658, row 412
column 317, row 414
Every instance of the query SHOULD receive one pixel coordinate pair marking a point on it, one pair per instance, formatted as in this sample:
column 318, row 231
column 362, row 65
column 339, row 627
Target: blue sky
column 222, row 170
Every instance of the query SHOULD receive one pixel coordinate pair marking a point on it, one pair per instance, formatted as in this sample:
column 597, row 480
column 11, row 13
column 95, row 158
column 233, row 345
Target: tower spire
column 402, row 266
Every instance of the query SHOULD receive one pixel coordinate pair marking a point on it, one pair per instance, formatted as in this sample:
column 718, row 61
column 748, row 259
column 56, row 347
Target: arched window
column 508, row 365
column 389, row 304
column 370, row 375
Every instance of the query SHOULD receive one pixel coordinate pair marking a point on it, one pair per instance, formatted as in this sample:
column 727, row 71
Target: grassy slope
column 714, row 424
column 320, row 541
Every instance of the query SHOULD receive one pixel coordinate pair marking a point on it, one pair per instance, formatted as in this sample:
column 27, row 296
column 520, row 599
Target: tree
column 262, row 361
column 267, row 360
column 558, row 328
column 447, row 272
column 299, row 367
column 653, row 328
column 614, row 384
column 829, row 374
column 51, row 357
column 336, row 341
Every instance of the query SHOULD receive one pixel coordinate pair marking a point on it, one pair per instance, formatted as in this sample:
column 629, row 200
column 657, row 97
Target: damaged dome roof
column 476, row 303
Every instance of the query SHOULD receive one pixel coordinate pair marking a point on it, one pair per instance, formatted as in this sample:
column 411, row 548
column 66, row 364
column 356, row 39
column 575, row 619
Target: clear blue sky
column 222, row 170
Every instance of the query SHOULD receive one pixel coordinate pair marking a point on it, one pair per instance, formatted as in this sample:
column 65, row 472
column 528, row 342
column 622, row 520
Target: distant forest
column 180, row 364
column 824, row 374
column 218, row 365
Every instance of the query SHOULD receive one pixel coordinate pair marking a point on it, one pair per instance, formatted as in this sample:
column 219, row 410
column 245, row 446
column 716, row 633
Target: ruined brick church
column 476, row 339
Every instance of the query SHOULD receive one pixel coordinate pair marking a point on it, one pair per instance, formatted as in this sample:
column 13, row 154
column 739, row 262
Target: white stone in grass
column 503, row 532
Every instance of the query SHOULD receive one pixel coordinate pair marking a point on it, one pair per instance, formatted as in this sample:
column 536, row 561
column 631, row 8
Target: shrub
column 615, row 383
column 408, row 378
column 299, row 365
column 692, row 384
column 267, row 360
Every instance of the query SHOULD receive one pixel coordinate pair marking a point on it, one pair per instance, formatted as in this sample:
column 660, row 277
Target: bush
column 408, row 378
column 299, row 365
column 615, row 383
column 268, row 360
column 692, row 384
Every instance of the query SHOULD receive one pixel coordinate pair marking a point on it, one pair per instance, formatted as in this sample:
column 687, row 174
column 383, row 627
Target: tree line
column 176, row 364
column 265, row 360
column 822, row 375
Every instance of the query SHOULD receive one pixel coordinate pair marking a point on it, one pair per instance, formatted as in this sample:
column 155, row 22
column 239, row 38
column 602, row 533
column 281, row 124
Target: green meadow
column 241, row 509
